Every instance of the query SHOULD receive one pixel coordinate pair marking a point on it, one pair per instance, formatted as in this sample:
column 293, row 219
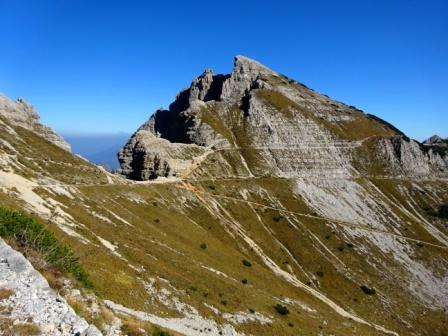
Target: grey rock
column 91, row 331
column 23, row 114
column 257, row 122
column 33, row 298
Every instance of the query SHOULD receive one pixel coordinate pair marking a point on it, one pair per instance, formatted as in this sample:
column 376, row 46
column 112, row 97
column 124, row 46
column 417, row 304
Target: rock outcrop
column 257, row 122
column 32, row 299
column 23, row 114
column 407, row 157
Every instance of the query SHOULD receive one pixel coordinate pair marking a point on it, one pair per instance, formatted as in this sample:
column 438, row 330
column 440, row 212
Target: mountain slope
column 317, row 226
column 255, row 122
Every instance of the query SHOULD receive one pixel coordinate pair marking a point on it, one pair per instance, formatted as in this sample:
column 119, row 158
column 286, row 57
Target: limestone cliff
column 257, row 122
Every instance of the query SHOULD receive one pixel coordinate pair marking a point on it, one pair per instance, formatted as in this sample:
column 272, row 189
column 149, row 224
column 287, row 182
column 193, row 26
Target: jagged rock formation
column 258, row 122
column 407, row 157
column 21, row 113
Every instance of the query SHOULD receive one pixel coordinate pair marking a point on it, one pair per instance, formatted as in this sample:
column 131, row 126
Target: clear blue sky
column 105, row 66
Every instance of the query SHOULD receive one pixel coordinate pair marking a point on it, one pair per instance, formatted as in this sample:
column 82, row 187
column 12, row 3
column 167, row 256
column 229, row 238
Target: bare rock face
column 405, row 157
column 255, row 122
column 165, row 159
column 32, row 299
column 23, row 114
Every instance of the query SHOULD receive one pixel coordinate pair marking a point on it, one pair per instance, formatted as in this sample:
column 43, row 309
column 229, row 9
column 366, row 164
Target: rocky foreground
column 31, row 303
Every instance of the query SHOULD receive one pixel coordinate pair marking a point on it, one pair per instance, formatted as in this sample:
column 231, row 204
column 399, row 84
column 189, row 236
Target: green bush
column 158, row 332
column 441, row 212
column 246, row 263
column 28, row 232
column 368, row 290
column 203, row 246
column 282, row 310
column 277, row 218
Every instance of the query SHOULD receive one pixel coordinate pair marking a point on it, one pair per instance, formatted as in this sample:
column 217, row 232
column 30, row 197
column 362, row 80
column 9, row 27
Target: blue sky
column 104, row 66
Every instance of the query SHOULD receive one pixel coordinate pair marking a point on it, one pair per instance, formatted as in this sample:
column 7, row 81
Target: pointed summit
column 249, row 65
column 244, row 74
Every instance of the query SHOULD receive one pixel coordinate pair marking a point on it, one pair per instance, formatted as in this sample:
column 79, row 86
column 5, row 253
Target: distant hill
column 98, row 148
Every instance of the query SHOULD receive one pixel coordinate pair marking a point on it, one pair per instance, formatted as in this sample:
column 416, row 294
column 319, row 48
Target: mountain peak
column 249, row 65
column 435, row 139
column 261, row 123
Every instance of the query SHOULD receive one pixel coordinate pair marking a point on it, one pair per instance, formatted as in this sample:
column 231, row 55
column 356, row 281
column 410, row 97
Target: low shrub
column 441, row 211
column 368, row 290
column 277, row 218
column 156, row 331
column 28, row 233
column 282, row 310
column 246, row 263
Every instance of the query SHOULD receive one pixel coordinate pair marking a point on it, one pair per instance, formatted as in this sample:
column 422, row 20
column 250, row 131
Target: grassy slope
column 168, row 223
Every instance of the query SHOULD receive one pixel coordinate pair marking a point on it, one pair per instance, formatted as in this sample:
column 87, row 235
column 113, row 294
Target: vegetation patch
column 277, row 218
column 282, row 310
column 26, row 329
column 5, row 293
column 246, row 263
column 441, row 212
column 134, row 327
column 368, row 290
column 32, row 236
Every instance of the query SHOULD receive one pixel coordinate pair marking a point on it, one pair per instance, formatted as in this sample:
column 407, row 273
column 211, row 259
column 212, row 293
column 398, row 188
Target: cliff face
column 21, row 113
column 255, row 122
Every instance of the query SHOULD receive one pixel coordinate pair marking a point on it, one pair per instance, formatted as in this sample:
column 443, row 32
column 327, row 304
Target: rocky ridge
column 23, row 114
column 258, row 122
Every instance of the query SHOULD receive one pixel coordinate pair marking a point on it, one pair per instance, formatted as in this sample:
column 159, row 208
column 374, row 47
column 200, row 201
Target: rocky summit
column 255, row 122
column 253, row 205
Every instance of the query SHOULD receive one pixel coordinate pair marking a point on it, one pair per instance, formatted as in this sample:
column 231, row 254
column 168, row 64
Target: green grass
column 28, row 232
